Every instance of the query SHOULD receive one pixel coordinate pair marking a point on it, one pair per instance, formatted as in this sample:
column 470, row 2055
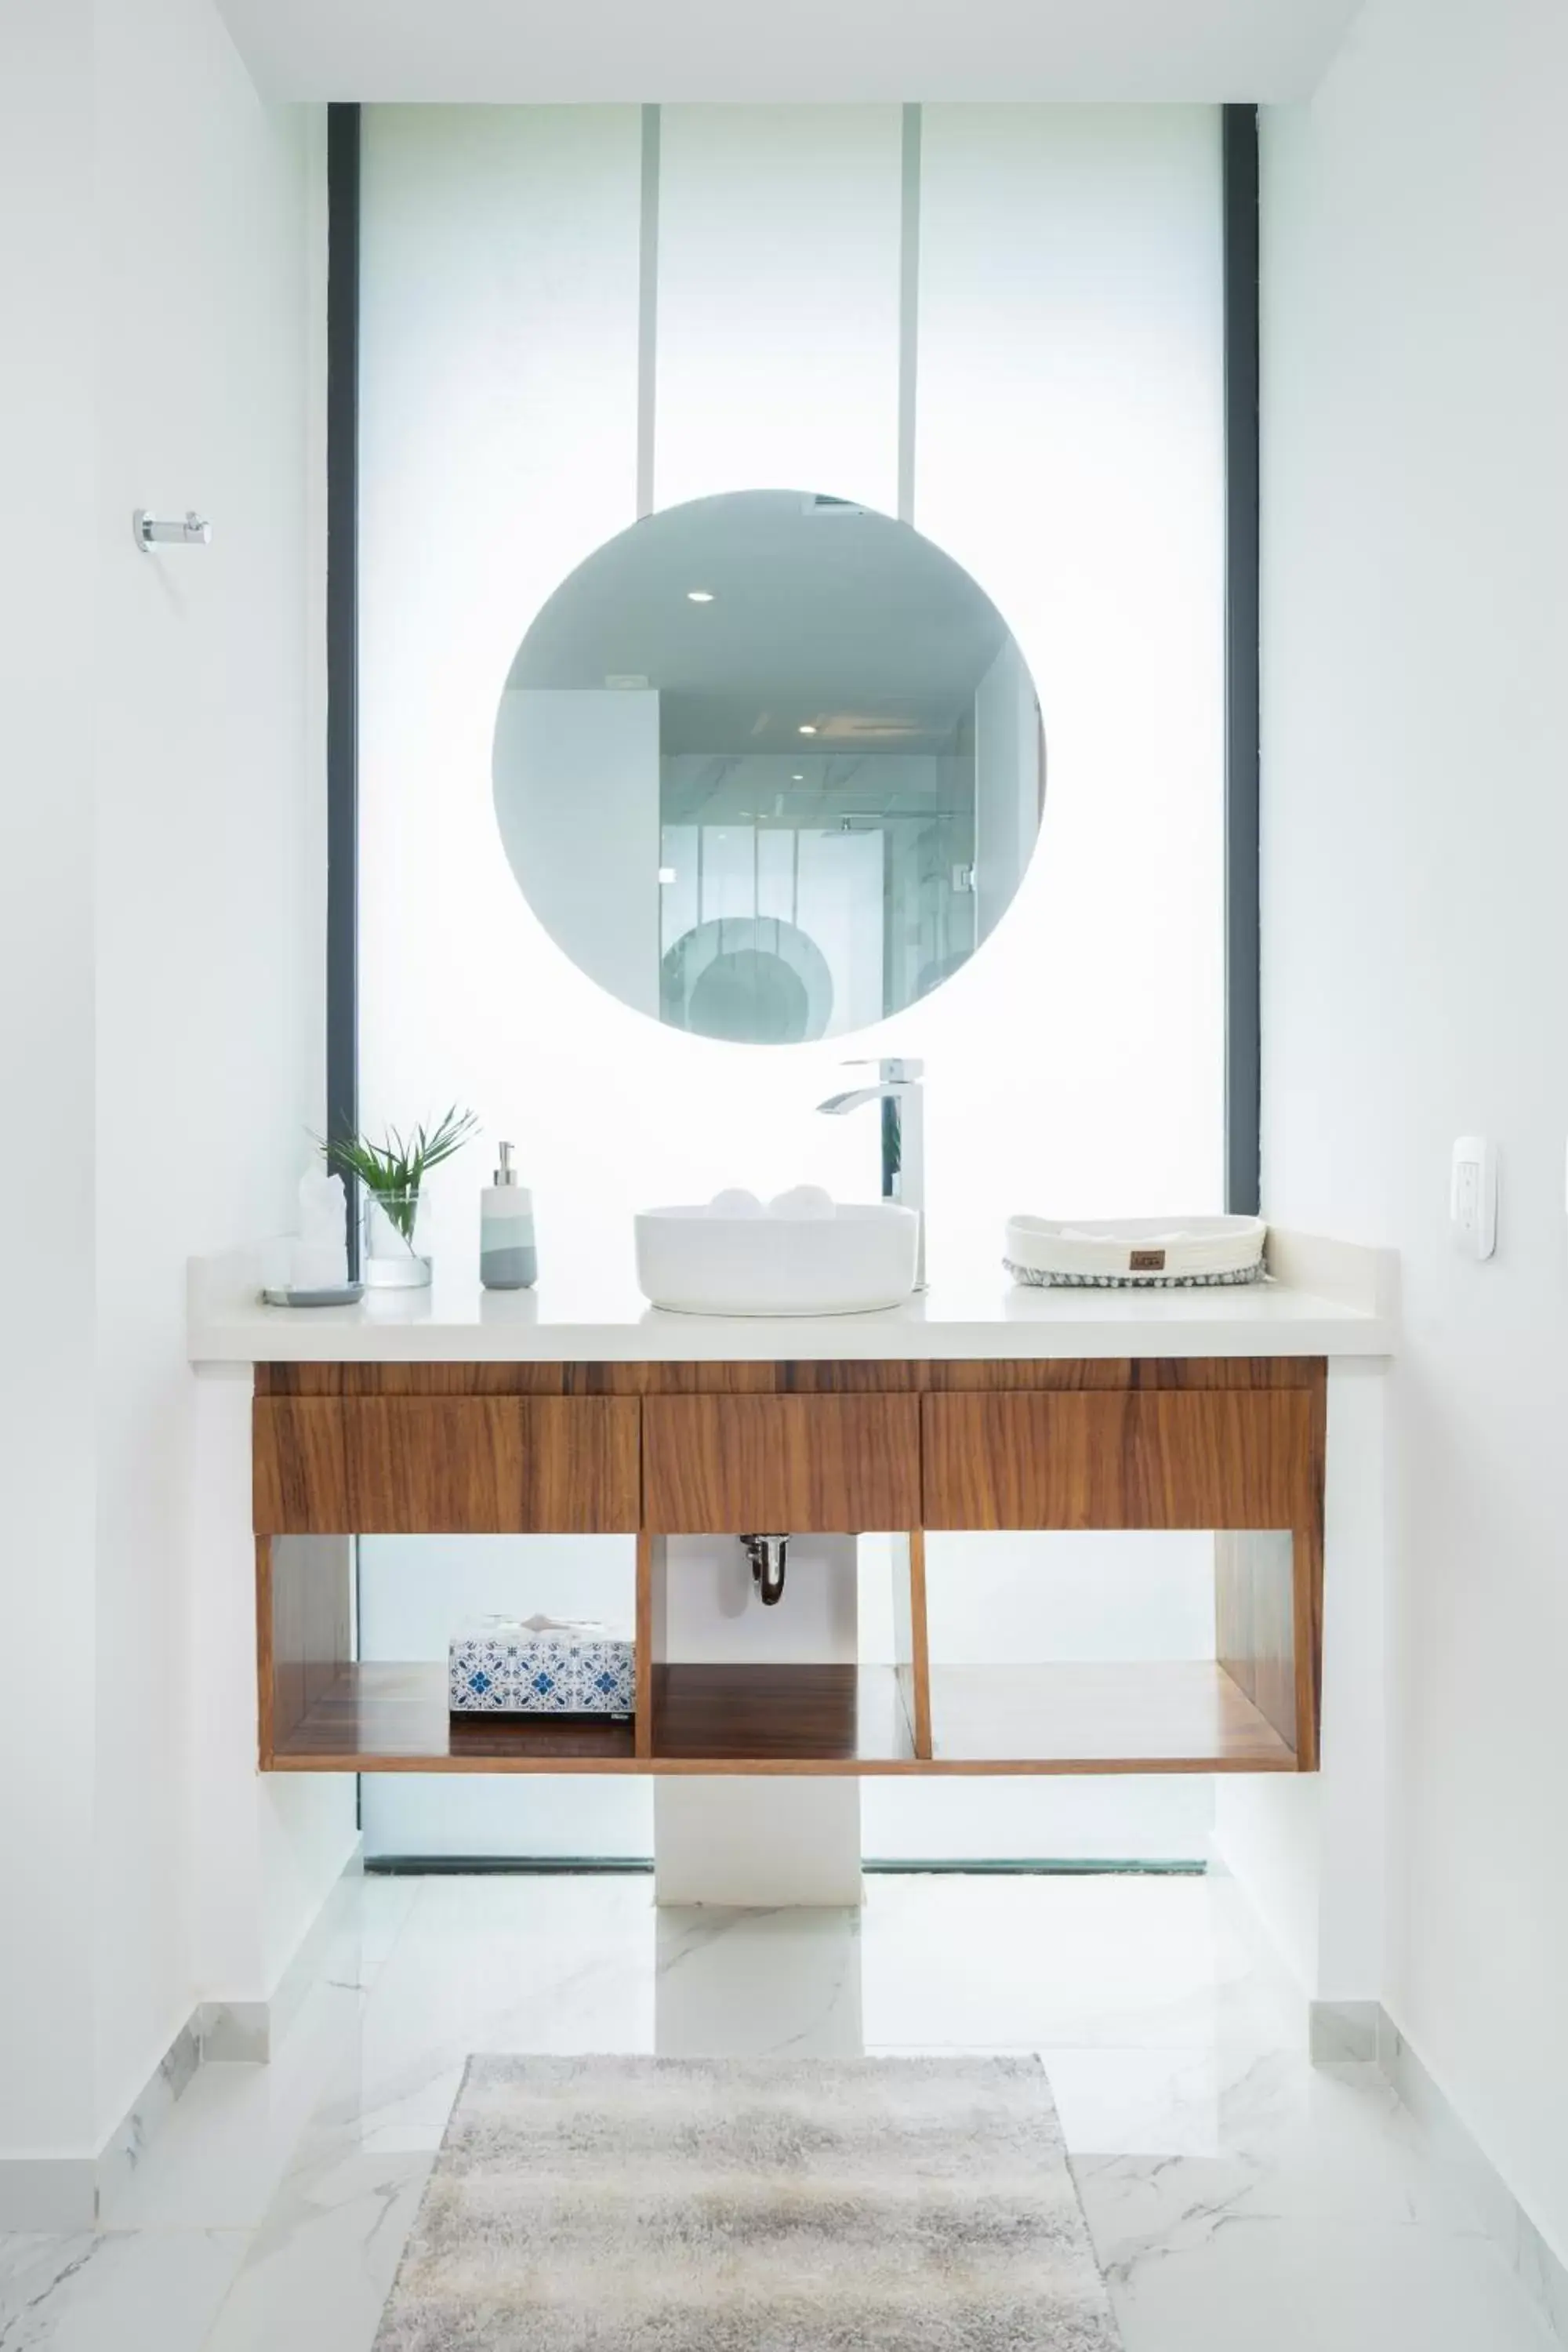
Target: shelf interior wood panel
column 1184, row 1716
column 799, row 1717
column 393, row 1719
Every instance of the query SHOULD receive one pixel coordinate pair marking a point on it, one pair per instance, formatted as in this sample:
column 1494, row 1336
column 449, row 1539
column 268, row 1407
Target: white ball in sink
column 801, row 1201
column 734, row 1201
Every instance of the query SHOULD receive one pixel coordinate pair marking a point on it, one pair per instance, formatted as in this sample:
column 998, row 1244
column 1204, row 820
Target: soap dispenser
column 508, row 1258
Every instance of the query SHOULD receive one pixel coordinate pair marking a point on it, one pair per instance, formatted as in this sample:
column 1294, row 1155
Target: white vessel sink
column 699, row 1262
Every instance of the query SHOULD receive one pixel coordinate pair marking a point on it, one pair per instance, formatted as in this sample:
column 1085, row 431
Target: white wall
column 167, row 974
column 45, row 1042
column 1415, row 837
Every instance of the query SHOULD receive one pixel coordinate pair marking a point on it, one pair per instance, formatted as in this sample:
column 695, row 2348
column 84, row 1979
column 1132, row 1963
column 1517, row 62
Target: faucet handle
column 900, row 1070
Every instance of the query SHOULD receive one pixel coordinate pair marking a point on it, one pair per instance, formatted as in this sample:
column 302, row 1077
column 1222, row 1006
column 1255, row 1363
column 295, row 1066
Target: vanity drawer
column 781, row 1464
column 446, row 1465
column 1235, row 1458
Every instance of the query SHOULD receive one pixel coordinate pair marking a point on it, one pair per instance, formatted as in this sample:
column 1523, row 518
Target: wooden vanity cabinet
column 1235, row 1446
column 804, row 1465
column 454, row 1466
column 1221, row 1459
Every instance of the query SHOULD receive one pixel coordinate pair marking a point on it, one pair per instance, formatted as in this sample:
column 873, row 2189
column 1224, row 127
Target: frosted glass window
column 1068, row 452
column 498, row 423
column 778, row 301
column 498, row 445
column 414, row 1592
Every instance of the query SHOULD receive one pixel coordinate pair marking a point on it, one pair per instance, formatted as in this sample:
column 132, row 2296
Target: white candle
column 318, row 1265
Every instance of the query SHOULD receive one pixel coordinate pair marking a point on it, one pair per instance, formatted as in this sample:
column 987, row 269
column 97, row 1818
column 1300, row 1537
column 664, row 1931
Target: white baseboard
column 1356, row 2031
column 66, row 2193
column 1344, row 2032
column 1539, row 2268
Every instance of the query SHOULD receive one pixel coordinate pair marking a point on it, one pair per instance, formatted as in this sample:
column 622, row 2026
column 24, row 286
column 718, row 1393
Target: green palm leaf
column 395, row 1168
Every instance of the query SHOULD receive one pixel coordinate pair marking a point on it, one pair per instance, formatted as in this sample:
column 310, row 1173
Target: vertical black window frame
column 1243, row 937
column 1243, row 1059
column 343, row 635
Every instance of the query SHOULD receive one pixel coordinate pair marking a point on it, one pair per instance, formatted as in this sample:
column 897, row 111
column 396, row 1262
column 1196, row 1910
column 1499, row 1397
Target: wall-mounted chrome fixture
column 151, row 530
column 767, row 1555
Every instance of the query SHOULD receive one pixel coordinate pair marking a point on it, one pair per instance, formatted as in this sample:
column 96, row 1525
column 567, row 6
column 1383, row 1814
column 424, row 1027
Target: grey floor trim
column 481, row 1866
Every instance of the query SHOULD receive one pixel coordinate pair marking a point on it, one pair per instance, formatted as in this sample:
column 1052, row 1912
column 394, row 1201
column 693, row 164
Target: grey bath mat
column 698, row 2205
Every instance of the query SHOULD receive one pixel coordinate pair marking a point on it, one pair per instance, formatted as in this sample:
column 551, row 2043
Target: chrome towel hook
column 151, row 532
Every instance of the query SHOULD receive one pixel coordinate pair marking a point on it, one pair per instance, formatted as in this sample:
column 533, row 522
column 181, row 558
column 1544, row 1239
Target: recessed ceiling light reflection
column 699, row 595
column 808, row 730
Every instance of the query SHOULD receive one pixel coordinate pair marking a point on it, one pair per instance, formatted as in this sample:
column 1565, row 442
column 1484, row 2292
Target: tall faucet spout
column 837, row 1105
column 899, row 1092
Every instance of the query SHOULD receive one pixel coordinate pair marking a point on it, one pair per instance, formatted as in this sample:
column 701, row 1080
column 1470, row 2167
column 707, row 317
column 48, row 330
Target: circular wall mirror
column 769, row 766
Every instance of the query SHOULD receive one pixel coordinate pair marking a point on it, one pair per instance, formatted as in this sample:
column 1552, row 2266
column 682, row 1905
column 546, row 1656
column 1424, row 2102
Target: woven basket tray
column 1135, row 1253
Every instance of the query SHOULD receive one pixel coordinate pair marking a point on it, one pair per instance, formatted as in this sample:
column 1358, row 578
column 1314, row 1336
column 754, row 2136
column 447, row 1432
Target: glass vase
column 394, row 1257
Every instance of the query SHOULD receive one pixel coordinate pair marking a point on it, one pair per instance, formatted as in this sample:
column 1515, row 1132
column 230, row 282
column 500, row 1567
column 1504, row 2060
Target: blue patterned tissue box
column 540, row 1665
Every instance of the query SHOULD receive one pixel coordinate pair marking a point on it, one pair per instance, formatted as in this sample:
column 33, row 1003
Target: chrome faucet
column 897, row 1090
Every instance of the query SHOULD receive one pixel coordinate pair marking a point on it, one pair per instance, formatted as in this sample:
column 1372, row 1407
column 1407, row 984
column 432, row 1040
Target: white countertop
column 1323, row 1299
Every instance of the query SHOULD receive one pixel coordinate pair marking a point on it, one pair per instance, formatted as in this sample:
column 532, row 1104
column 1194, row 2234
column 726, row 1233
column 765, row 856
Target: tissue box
column 540, row 1665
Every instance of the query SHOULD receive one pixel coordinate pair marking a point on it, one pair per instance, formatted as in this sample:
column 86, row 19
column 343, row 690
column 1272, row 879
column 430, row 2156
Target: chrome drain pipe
column 767, row 1556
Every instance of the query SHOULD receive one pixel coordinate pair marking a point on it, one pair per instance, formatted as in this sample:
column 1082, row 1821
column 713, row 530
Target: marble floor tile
column 363, row 1923
column 1055, row 1962
column 1240, row 2199
column 746, row 1984
column 1334, row 2143
column 318, row 2272
column 155, row 2291
column 1181, row 2102
column 1214, row 2254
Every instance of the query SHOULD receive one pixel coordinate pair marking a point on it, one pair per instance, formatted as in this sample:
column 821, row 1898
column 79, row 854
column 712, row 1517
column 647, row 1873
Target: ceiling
column 512, row 52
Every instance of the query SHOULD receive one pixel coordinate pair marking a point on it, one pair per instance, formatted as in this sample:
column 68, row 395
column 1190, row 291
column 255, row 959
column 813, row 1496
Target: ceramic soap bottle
column 508, row 1258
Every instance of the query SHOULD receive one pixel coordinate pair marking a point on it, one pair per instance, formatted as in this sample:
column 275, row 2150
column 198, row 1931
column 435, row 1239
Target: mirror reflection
column 769, row 766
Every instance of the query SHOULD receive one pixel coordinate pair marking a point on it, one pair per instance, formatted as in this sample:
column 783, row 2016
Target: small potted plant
column 392, row 1173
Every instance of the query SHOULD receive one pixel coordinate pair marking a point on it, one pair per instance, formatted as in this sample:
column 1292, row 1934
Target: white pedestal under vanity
column 1253, row 1413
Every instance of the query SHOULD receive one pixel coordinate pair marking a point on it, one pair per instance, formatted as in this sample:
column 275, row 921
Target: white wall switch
column 1472, row 1202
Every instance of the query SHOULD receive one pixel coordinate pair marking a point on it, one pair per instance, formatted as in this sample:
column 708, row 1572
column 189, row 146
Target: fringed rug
column 801, row 2205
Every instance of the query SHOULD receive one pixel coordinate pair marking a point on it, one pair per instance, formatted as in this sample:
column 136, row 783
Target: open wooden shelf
column 393, row 1719
column 1136, row 1718
column 812, row 1718
column 1185, row 1717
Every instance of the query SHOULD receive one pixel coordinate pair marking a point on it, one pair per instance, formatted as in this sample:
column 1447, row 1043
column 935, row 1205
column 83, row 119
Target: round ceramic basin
column 701, row 1261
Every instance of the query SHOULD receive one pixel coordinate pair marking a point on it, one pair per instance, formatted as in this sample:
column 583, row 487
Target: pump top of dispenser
column 505, row 1173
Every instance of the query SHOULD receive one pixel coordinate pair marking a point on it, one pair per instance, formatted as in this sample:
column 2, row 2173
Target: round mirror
column 769, row 766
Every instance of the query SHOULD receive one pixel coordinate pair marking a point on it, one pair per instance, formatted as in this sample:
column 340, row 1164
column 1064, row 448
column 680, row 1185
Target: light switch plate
column 1472, row 1200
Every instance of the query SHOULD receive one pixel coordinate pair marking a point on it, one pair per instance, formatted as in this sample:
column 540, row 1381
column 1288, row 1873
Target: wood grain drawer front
column 747, row 1464
column 1228, row 1459
column 447, row 1466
